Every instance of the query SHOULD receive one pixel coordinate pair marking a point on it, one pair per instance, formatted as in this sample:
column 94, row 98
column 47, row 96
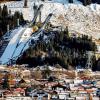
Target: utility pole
column 18, row 22
column 8, row 29
column 40, row 17
column 35, row 9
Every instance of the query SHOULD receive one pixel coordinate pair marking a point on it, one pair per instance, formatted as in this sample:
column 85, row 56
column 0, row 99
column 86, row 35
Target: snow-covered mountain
column 78, row 18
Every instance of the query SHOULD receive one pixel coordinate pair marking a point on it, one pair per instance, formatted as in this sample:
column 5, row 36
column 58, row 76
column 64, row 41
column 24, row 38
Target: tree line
column 64, row 50
column 6, row 18
column 88, row 2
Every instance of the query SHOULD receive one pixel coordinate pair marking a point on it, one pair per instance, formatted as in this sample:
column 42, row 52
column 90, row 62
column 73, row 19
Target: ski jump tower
column 35, row 9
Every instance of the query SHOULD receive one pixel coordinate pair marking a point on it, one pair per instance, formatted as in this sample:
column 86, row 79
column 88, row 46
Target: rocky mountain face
column 78, row 18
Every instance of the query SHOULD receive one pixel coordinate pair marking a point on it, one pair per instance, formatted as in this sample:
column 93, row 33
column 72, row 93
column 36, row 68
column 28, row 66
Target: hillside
column 58, row 48
column 78, row 18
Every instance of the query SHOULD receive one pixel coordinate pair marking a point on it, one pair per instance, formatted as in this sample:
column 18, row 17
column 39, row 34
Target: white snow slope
column 16, row 45
column 7, row 55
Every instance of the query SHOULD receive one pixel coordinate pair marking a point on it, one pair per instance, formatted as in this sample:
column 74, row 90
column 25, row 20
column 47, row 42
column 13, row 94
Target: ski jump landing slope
column 11, row 46
column 23, row 43
column 16, row 45
column 19, row 42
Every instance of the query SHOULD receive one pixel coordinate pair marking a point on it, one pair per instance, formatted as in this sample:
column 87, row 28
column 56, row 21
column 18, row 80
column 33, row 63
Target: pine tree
column 0, row 21
column 6, row 82
column 70, row 1
column 4, row 11
column 15, row 18
column 9, row 12
column 89, row 2
column 0, row 12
